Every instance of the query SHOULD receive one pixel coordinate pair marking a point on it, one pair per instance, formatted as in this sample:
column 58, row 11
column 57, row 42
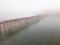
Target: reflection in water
column 45, row 32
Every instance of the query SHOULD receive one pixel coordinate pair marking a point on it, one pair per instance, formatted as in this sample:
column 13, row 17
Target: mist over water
column 45, row 32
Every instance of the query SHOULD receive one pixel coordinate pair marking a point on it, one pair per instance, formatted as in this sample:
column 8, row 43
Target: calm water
column 45, row 32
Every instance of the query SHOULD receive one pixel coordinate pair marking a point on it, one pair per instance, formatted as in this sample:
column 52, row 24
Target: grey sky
column 23, row 8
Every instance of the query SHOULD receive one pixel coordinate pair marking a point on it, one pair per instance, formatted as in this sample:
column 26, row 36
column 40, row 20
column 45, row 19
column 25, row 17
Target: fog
column 10, row 9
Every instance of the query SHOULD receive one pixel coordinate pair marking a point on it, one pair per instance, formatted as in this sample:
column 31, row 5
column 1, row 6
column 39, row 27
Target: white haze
column 10, row 9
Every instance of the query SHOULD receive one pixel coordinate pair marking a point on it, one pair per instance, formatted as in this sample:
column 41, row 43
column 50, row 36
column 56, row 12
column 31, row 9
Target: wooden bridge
column 8, row 27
